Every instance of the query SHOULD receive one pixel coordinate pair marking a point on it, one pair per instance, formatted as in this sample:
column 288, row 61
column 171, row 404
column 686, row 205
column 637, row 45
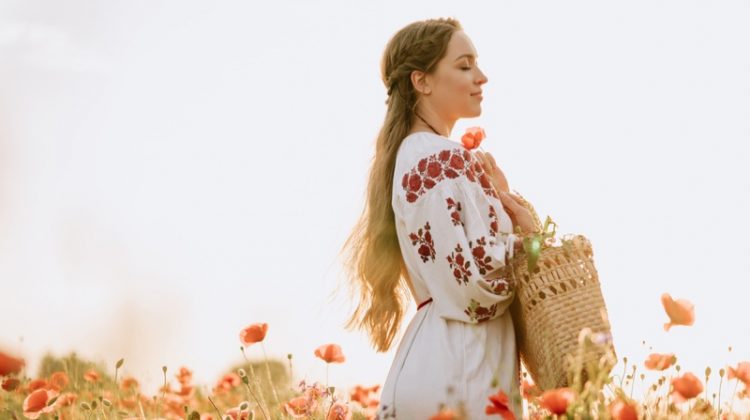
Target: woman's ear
column 419, row 81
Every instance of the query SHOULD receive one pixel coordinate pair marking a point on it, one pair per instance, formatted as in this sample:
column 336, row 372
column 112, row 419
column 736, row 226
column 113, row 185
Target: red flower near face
column 330, row 353
column 473, row 137
column 500, row 406
column 253, row 333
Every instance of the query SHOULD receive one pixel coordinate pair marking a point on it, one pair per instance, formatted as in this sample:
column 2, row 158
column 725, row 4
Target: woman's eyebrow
column 465, row 55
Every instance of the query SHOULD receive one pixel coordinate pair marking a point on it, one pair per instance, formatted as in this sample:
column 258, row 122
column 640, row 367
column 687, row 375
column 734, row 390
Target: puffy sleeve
column 453, row 227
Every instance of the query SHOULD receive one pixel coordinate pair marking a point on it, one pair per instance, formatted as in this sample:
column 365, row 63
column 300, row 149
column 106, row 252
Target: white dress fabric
column 453, row 233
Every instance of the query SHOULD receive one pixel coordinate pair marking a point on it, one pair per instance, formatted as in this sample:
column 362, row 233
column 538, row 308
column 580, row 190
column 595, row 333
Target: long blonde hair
column 374, row 264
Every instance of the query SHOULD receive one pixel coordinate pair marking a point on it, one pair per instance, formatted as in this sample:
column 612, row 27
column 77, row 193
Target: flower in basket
column 473, row 137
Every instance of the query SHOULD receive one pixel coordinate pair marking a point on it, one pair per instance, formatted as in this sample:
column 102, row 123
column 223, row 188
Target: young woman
column 438, row 223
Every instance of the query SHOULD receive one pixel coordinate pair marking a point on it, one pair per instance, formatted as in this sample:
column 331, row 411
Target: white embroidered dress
column 453, row 233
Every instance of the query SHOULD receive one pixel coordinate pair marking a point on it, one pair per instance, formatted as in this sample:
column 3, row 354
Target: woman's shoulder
column 426, row 160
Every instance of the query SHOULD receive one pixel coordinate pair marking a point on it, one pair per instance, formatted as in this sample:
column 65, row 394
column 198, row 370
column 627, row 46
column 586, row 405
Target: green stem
column 268, row 373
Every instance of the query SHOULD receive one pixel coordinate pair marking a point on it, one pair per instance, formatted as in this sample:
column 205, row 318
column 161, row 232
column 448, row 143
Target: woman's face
column 455, row 86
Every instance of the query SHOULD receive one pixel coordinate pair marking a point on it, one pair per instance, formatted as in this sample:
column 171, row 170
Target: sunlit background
column 172, row 171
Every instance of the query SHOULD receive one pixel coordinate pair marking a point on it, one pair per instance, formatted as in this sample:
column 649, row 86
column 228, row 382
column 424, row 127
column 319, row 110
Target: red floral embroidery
column 446, row 164
column 455, row 214
column 493, row 221
column 459, row 265
column 424, row 238
column 478, row 313
column 501, row 286
column 481, row 258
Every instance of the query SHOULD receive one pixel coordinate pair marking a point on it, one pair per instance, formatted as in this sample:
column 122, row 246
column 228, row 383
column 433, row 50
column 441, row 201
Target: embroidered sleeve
column 453, row 228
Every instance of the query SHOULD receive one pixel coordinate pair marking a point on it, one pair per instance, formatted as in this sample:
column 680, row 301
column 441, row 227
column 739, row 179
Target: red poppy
column 9, row 384
column 253, row 333
column 58, row 381
column 680, row 311
column 473, row 137
column 686, row 387
column 659, row 361
column 299, row 407
column 330, row 353
column 91, row 376
column 339, row 411
column 500, row 406
column 557, row 400
column 35, row 403
column 444, row 414
column 623, row 410
column 9, row 364
column 742, row 372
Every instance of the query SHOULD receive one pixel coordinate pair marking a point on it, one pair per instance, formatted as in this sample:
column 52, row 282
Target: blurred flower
column 314, row 391
column 299, row 407
column 473, row 137
column 10, row 384
column 10, row 364
column 128, row 382
column 529, row 390
column 623, row 410
column 91, row 376
column 680, row 311
column 330, row 353
column 58, row 381
column 253, row 333
column 339, row 411
column 236, row 413
column 367, row 397
column 557, row 400
column 184, row 376
column 66, row 399
column 742, row 372
column 686, row 387
column 227, row 382
column 35, row 403
column 35, row 384
column 659, row 361
column 444, row 414
column 499, row 406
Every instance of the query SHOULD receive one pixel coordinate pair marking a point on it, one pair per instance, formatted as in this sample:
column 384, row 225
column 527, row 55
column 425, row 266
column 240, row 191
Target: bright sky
column 172, row 171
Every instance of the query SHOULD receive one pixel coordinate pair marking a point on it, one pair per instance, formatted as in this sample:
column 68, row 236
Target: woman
column 437, row 223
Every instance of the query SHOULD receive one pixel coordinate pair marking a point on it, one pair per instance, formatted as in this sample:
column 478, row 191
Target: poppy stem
column 268, row 372
column 261, row 401
column 215, row 407
column 731, row 403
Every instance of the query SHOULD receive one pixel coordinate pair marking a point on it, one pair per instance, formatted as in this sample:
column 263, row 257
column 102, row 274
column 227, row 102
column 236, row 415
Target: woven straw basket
column 553, row 304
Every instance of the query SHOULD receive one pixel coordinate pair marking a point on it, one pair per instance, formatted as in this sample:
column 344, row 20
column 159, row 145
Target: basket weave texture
column 553, row 304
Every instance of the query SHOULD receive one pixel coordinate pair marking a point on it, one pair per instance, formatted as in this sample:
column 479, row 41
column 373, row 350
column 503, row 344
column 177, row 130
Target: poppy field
column 72, row 388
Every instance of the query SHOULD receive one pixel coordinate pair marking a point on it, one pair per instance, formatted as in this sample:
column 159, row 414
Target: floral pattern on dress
column 446, row 164
column 478, row 313
column 481, row 259
column 456, row 213
column 493, row 221
column 423, row 237
column 459, row 265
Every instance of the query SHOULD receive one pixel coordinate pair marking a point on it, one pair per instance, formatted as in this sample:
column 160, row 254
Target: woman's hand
column 519, row 214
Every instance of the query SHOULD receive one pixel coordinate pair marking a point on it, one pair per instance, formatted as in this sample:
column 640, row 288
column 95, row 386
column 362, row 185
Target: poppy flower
column 253, row 333
column 91, row 376
column 299, row 407
column 339, row 411
column 10, row 364
column 58, row 381
column 330, row 353
column 557, row 400
column 742, row 372
column 658, row 361
column 686, row 387
column 35, row 404
column 623, row 410
column 10, row 384
column 444, row 414
column 35, row 384
column 529, row 390
column 473, row 137
column 680, row 311
column 500, row 406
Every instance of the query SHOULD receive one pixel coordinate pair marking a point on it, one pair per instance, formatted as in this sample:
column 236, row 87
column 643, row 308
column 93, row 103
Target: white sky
column 171, row 171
